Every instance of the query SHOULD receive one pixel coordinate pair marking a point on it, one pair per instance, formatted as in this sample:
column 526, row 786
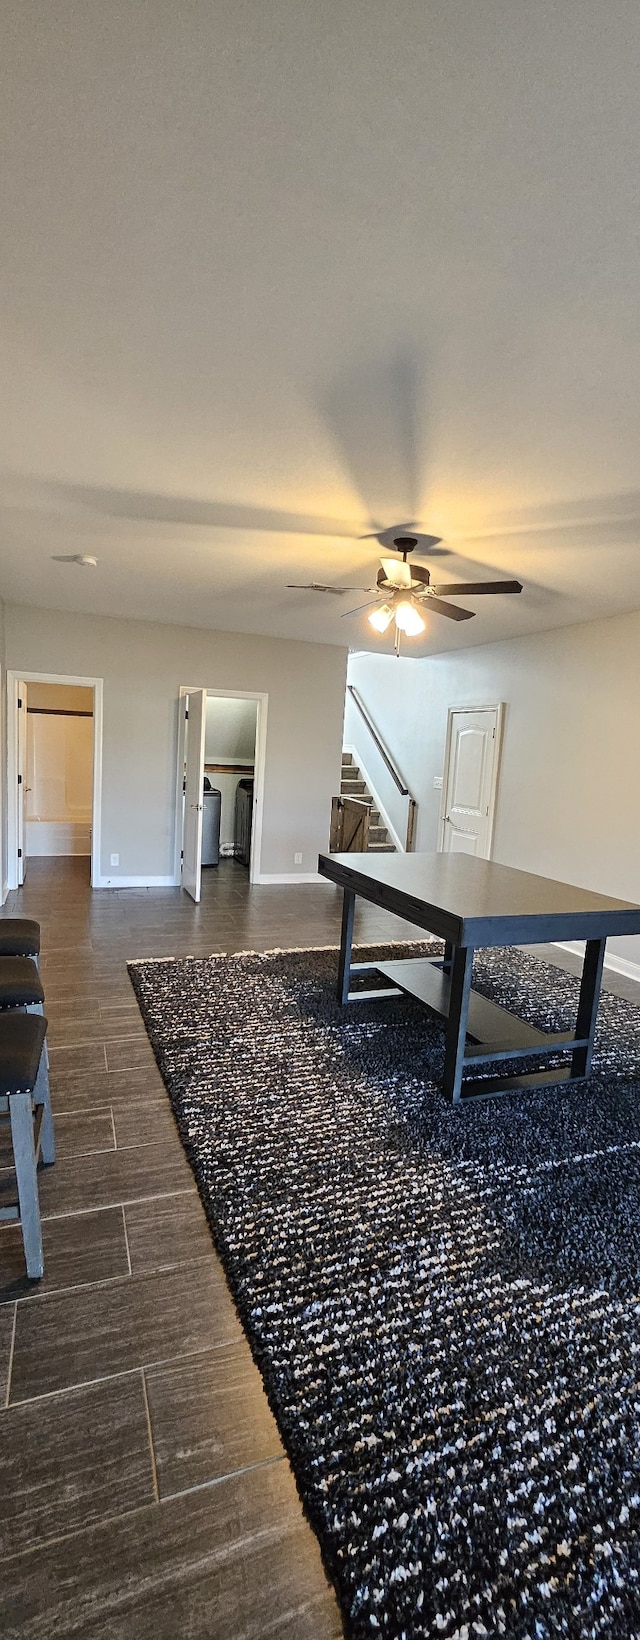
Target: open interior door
column 22, row 780
column 195, row 707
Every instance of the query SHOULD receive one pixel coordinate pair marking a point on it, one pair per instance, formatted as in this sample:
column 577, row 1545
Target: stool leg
column 42, row 1096
column 38, row 1008
column 24, row 1155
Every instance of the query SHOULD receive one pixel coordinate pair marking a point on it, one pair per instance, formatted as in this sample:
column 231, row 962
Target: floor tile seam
column 262, row 1533
column 102, row 1110
column 152, row 1453
column 231, row 1475
column 108, row 1150
column 93, row 1041
column 112, row 1281
column 126, row 1239
column 129, row 1201
column 125, row 1372
column 12, row 1345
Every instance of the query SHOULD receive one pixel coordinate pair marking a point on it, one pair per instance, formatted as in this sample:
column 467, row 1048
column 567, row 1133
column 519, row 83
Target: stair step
column 352, row 784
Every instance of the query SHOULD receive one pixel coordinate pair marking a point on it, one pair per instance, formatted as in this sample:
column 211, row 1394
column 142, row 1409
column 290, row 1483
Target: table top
column 476, row 902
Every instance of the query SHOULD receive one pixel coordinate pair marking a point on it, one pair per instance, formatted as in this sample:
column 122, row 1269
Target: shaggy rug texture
column 444, row 1302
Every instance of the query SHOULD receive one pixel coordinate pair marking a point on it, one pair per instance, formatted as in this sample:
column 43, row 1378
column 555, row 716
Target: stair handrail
column 390, row 765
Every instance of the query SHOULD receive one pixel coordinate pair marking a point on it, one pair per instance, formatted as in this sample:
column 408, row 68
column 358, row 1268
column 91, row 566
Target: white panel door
column 195, row 705
column 470, row 781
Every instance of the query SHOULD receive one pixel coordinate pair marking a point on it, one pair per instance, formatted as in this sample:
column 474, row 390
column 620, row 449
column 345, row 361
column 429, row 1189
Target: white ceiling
column 271, row 275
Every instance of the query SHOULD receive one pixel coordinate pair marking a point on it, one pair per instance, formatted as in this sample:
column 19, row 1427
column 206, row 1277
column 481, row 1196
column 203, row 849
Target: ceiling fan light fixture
column 397, row 572
column 408, row 620
column 381, row 617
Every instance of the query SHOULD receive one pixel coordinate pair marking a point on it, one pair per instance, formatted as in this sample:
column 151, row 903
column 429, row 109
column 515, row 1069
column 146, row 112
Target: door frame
column 259, row 771
column 499, row 707
column 16, row 676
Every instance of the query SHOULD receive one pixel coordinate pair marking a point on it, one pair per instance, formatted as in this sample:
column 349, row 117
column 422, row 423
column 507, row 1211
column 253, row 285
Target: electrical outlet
column 437, row 781
column 297, row 859
column 115, row 859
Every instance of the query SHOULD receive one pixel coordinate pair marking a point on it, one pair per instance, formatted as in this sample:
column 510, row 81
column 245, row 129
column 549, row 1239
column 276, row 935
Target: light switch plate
column 437, row 781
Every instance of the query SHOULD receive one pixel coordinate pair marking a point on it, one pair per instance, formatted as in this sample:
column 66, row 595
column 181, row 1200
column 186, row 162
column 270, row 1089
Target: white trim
column 618, row 965
column 5, row 892
column 137, row 882
column 267, row 877
column 401, row 847
column 499, row 707
column 262, row 700
column 15, row 676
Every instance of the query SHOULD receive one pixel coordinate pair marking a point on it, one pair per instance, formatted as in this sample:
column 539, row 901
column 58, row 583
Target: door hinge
column 19, row 779
column 19, row 853
column 186, row 717
column 19, row 701
column 493, row 732
column 182, row 854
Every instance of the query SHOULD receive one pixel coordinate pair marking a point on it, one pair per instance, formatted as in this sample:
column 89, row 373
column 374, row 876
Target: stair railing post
column 411, row 825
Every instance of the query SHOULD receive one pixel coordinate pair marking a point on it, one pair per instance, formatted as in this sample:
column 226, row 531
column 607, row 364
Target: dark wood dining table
column 471, row 903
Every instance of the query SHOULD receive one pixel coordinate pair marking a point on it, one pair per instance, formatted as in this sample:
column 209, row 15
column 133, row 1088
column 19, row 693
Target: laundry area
column 229, row 769
column 219, row 774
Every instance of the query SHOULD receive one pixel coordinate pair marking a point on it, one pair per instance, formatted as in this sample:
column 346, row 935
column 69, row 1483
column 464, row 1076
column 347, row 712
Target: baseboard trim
column 618, row 965
column 267, row 877
column 136, row 882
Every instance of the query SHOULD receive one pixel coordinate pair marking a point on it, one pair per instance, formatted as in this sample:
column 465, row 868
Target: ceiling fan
column 407, row 591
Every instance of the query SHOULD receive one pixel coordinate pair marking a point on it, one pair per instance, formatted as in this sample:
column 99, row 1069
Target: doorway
column 470, row 781
column 54, row 758
column 221, row 758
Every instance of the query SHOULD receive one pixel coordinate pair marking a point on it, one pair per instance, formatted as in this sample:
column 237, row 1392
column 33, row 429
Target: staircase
column 353, row 785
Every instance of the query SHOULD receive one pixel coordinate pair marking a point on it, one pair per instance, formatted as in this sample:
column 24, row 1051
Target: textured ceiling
column 272, row 276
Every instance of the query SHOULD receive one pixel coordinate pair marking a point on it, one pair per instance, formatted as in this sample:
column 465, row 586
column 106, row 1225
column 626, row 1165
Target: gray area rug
column 444, row 1303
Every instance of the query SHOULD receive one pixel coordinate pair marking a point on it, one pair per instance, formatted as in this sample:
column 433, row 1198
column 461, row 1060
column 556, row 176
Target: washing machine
column 211, row 801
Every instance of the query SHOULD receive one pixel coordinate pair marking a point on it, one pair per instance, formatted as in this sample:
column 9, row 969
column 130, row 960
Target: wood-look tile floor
column 144, row 1490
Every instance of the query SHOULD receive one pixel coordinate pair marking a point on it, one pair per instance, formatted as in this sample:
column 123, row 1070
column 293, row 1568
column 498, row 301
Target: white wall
column 230, row 737
column 143, row 667
column 569, row 786
column 230, row 734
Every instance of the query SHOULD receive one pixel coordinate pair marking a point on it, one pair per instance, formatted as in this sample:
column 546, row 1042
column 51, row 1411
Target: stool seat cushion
column 21, row 1043
column 19, row 937
column 20, row 982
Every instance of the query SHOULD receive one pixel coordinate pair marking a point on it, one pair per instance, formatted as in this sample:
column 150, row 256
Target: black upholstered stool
column 24, row 1100
column 20, row 983
column 19, row 937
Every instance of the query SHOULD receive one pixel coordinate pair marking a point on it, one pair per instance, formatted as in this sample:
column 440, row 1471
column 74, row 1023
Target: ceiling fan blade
column 347, row 612
column 474, row 589
column 316, row 586
column 452, row 611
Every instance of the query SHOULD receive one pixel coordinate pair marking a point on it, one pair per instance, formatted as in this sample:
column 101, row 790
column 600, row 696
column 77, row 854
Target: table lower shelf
column 495, row 1033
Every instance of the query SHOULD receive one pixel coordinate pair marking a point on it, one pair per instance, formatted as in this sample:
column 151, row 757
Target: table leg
column 461, row 968
column 447, row 958
column 346, row 938
column 588, row 1005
